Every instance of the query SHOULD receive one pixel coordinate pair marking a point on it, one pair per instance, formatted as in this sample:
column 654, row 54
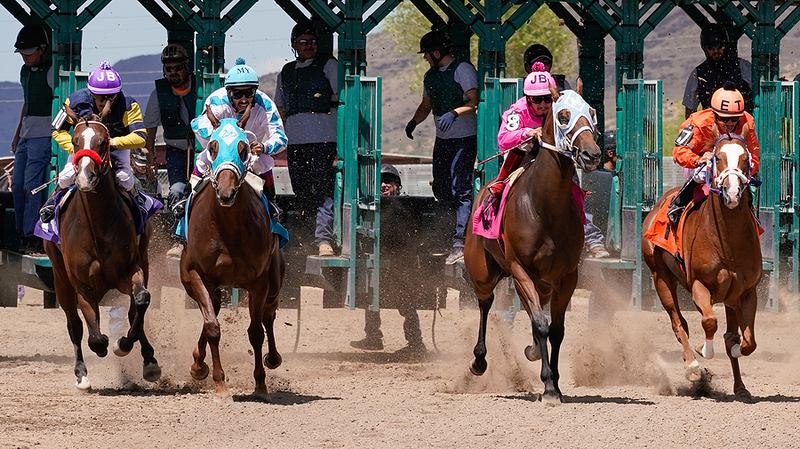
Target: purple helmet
column 105, row 80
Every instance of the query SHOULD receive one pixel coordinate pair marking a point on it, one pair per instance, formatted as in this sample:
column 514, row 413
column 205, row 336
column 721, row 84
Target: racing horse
column 99, row 251
column 230, row 243
column 543, row 235
column 722, row 254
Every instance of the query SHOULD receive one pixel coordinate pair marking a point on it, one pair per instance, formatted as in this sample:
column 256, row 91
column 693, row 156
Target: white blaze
column 732, row 152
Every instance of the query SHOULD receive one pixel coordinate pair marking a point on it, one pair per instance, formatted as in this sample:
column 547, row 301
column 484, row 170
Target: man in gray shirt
column 171, row 105
column 307, row 96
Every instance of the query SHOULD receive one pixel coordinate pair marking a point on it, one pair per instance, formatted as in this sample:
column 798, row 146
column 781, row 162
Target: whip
column 502, row 152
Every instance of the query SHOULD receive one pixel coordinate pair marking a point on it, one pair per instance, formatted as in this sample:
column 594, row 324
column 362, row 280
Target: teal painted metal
column 640, row 138
column 358, row 213
column 497, row 95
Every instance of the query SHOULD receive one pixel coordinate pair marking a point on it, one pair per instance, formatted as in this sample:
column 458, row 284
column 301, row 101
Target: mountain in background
column 671, row 51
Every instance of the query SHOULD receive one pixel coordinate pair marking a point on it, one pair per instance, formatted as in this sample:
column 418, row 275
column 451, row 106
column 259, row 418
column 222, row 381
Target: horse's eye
column 563, row 117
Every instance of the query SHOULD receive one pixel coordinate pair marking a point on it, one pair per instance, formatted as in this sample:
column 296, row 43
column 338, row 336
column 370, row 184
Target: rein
column 103, row 162
column 715, row 179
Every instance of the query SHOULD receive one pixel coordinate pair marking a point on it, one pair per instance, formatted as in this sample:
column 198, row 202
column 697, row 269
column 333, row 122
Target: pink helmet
column 104, row 80
column 538, row 82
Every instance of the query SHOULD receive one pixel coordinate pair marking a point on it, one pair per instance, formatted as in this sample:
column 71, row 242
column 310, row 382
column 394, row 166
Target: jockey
column 522, row 121
column 121, row 115
column 240, row 91
column 694, row 145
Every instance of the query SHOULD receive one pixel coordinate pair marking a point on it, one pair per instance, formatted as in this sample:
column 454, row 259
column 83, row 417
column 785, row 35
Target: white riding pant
column 121, row 161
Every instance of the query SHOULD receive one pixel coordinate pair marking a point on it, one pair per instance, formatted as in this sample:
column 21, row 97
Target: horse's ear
column 71, row 114
column 213, row 148
column 555, row 93
column 245, row 117
column 579, row 86
column 212, row 118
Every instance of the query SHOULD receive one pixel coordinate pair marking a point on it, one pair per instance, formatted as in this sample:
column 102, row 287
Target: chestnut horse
column 230, row 243
column 543, row 236
column 100, row 251
column 722, row 254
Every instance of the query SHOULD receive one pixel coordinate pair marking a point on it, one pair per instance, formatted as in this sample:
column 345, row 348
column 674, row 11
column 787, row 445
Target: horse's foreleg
column 732, row 340
column 746, row 313
column 98, row 342
column 478, row 366
column 558, row 309
column 140, row 298
column 702, row 299
column 256, row 334
column 276, row 274
column 213, row 334
column 197, row 290
column 666, row 287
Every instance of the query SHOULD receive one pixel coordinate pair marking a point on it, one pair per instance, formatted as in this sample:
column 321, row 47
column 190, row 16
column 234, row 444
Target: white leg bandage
column 708, row 349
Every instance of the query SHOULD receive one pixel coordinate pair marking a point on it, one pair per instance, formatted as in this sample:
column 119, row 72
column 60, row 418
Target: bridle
column 104, row 161
column 239, row 169
column 717, row 179
column 564, row 135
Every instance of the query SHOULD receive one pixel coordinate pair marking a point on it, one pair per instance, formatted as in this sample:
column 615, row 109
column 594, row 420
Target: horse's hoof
column 693, row 372
column 532, row 353
column 261, row 393
column 273, row 361
column 151, row 372
column 743, row 395
column 551, row 399
column 118, row 351
column 201, row 373
column 83, row 383
column 478, row 367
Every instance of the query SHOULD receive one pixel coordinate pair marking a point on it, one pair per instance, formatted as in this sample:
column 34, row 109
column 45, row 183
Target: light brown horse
column 230, row 243
column 543, row 237
column 100, row 251
column 720, row 246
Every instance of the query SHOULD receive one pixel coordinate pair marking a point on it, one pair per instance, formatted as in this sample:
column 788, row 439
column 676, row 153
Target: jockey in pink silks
column 522, row 121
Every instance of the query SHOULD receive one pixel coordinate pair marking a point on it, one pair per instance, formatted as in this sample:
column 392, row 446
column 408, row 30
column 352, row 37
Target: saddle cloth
column 492, row 227
column 141, row 213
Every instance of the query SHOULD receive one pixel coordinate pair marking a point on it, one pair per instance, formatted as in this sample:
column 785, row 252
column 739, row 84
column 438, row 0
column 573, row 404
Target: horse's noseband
column 103, row 162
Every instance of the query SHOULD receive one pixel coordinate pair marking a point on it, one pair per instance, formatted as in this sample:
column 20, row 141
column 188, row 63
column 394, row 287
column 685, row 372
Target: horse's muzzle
column 587, row 161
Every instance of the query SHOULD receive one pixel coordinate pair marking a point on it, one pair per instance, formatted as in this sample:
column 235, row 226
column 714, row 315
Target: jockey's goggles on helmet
column 540, row 98
column 734, row 118
column 307, row 42
column 239, row 93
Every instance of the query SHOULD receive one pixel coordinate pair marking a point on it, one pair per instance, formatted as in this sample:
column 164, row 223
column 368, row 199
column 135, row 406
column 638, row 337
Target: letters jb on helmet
column 538, row 82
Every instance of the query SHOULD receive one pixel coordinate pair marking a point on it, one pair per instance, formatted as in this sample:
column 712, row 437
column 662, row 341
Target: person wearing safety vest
column 306, row 94
column 31, row 141
column 451, row 92
column 694, row 145
column 722, row 65
column 172, row 105
column 120, row 113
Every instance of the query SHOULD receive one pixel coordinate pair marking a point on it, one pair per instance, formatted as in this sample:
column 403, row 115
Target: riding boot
column 179, row 208
column 680, row 201
column 48, row 210
column 492, row 200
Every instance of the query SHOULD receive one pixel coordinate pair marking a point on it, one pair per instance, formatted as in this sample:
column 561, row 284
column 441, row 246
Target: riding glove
column 410, row 127
column 446, row 121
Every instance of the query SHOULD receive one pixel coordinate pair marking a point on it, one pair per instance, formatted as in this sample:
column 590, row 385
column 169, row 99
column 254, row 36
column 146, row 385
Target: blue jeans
column 31, row 162
column 593, row 236
column 453, row 165
column 176, row 174
column 312, row 175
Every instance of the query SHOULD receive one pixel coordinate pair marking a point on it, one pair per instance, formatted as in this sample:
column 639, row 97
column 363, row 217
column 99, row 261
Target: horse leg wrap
column 736, row 351
column 708, row 349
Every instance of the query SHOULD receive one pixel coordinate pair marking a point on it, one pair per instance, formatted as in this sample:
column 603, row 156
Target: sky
column 125, row 28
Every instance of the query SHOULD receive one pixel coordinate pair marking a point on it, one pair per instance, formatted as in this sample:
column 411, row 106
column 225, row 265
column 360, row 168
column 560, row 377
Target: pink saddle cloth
column 492, row 227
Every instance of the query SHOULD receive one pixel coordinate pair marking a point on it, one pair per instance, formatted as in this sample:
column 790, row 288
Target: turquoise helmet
column 241, row 75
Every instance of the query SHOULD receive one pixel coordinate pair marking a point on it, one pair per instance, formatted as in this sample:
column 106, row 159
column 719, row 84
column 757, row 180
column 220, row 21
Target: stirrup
column 179, row 208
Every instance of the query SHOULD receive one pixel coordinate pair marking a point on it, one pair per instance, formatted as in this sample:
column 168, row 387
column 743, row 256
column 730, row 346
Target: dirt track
column 622, row 381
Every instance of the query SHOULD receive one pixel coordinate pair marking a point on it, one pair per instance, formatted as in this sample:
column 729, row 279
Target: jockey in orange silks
column 694, row 146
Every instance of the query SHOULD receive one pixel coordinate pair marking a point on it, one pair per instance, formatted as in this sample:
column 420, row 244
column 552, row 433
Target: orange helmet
column 727, row 102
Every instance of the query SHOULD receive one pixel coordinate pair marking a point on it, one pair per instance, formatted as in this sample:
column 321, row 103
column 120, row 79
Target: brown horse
column 720, row 246
column 543, row 236
column 230, row 243
column 100, row 251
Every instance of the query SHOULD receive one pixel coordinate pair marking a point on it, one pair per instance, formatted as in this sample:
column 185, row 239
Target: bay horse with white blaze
column 230, row 243
column 543, row 236
column 100, row 251
column 722, row 254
